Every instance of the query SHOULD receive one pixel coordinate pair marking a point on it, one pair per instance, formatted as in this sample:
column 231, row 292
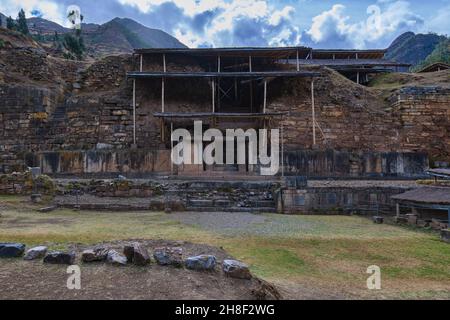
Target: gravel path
column 241, row 223
column 362, row 183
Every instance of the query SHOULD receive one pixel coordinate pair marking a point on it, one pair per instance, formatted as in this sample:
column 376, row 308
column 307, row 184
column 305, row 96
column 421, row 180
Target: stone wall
column 424, row 115
column 414, row 120
column 63, row 107
column 342, row 200
column 101, row 162
column 21, row 183
column 333, row 163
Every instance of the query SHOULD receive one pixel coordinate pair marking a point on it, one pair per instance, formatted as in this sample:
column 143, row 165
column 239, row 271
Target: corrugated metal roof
column 426, row 195
column 267, row 74
column 275, row 52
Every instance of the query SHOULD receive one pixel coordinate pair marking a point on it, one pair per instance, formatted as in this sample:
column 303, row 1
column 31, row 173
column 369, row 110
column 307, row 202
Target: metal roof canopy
column 216, row 114
column 346, row 53
column 426, row 195
column 263, row 52
column 437, row 66
column 267, row 74
column 440, row 173
column 351, row 62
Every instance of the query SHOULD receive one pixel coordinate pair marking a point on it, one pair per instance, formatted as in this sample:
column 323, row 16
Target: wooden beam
column 162, row 95
column 282, row 149
column 164, row 63
column 171, row 145
column 265, row 96
column 213, row 85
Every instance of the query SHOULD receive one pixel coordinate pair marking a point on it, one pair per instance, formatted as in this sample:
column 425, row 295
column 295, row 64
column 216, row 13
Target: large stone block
column 11, row 250
column 201, row 262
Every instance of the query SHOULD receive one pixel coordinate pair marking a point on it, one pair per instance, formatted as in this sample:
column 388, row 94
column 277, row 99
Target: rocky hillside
column 2, row 20
column 117, row 36
column 413, row 48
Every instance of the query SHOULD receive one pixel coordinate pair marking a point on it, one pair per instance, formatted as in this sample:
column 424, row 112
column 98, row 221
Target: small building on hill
column 438, row 66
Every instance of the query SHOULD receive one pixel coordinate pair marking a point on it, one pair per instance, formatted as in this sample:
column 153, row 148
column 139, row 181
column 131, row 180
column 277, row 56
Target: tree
column 441, row 53
column 22, row 25
column 10, row 23
column 74, row 45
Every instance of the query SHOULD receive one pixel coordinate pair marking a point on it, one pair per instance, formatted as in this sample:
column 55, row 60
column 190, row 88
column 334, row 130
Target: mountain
column 118, row 36
column 413, row 48
column 124, row 35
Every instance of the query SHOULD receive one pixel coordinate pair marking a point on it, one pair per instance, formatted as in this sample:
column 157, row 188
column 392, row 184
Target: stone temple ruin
column 83, row 124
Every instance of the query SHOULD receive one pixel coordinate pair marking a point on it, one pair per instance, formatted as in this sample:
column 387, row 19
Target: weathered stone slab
column 137, row 254
column 36, row 253
column 58, row 257
column 169, row 256
column 116, row 258
column 445, row 235
column 201, row 262
column 236, row 269
column 95, row 254
column 377, row 219
column 48, row 209
column 11, row 250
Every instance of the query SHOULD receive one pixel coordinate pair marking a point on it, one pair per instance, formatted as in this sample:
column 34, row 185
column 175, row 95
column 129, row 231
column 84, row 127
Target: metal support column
column 282, row 149
column 265, row 96
column 134, row 111
column 213, row 85
column 313, row 113
column 171, row 145
column 164, row 63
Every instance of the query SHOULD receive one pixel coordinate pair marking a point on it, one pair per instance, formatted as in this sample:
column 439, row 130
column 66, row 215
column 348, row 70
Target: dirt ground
column 20, row 279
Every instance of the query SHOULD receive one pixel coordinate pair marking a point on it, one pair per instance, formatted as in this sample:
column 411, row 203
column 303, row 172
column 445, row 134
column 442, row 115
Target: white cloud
column 334, row 26
column 440, row 23
column 50, row 10
column 234, row 21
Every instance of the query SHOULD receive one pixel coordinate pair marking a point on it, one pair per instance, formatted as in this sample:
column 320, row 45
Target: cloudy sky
column 317, row 23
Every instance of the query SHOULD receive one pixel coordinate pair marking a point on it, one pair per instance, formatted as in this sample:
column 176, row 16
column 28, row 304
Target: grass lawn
column 325, row 255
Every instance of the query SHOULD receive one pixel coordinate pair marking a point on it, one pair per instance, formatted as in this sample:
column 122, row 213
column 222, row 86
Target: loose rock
column 116, row 258
column 445, row 235
column 137, row 254
column 201, row 262
column 95, row 254
column 236, row 269
column 35, row 253
column 58, row 257
column 377, row 219
column 169, row 256
column 11, row 250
